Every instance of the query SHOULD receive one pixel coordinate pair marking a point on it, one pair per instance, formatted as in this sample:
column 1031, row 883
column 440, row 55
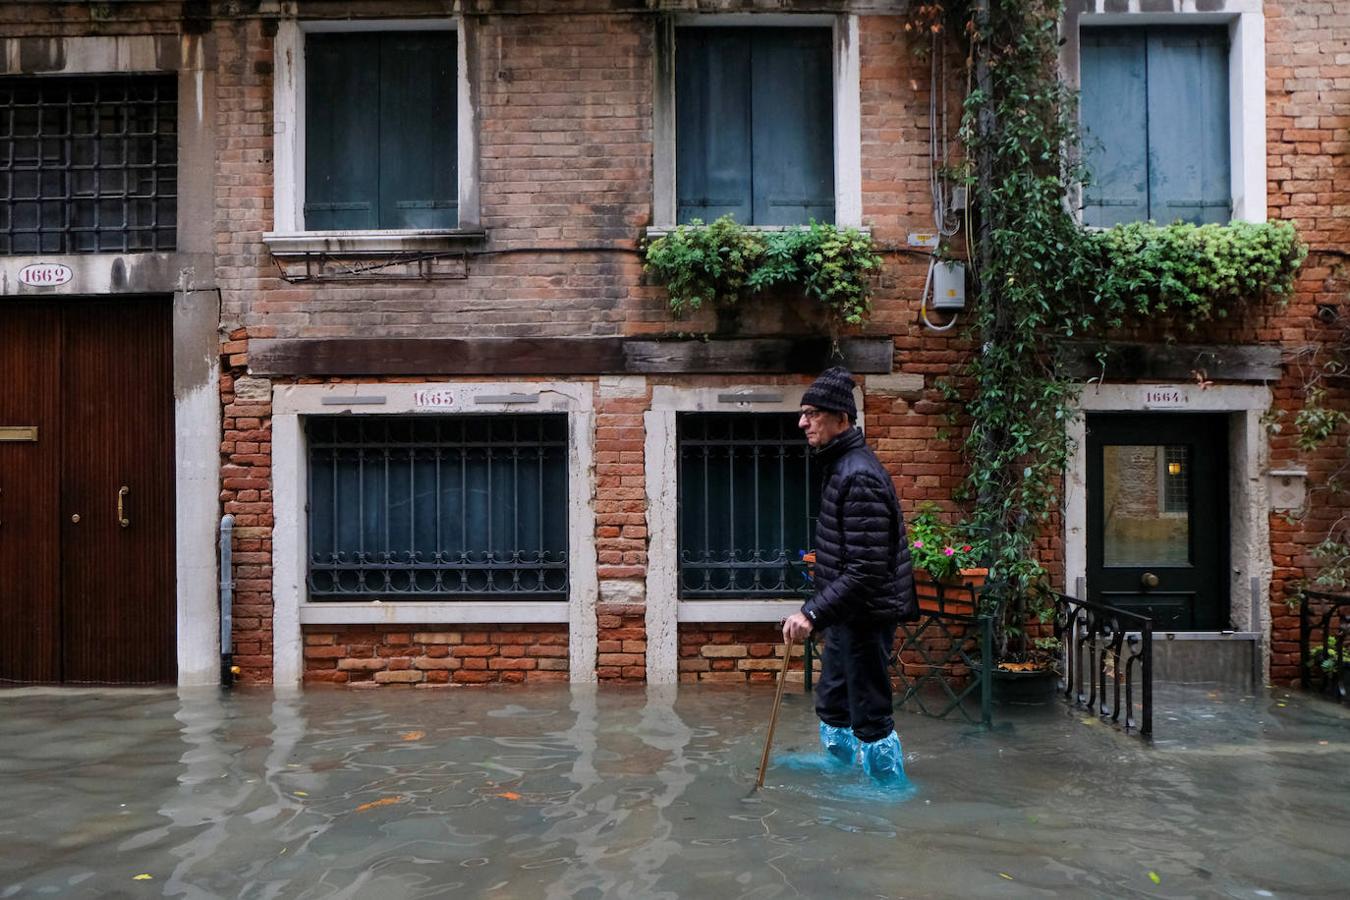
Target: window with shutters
column 754, row 124
column 446, row 506
column 88, row 164
column 748, row 496
column 380, row 131
column 1154, row 106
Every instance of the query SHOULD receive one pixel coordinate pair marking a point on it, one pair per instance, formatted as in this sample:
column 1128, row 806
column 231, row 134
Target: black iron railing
column 1323, row 633
column 938, row 666
column 937, row 662
column 1106, row 652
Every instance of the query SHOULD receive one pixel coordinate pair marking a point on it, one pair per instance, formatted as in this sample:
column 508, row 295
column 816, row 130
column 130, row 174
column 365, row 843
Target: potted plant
column 948, row 570
column 1027, row 655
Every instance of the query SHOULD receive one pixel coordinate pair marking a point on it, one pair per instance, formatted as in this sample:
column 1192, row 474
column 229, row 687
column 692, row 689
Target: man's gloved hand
column 796, row 627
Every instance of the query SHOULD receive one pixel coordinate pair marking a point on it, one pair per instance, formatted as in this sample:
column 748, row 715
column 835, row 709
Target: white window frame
column 665, row 610
column 847, row 110
column 292, row 608
column 288, row 146
column 1246, row 83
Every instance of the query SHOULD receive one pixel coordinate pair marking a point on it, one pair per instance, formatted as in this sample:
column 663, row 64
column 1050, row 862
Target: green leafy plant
column 1042, row 278
column 705, row 264
column 725, row 263
column 1195, row 273
column 939, row 548
column 1326, row 657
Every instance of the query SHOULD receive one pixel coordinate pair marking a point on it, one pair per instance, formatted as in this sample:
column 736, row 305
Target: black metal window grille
column 749, row 494
column 454, row 506
column 88, row 164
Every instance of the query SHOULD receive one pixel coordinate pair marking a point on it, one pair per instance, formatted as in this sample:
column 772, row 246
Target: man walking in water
column 864, row 583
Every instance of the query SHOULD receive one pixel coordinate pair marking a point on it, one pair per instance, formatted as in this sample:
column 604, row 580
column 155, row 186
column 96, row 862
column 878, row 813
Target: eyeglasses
column 812, row 414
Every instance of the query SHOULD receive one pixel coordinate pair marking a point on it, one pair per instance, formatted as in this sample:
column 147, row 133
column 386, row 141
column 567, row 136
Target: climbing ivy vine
column 1042, row 278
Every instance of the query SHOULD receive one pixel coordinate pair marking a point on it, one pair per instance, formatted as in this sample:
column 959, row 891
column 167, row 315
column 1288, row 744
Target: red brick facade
column 416, row 657
column 564, row 99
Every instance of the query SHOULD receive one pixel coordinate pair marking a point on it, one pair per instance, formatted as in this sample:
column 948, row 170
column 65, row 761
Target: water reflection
column 600, row 792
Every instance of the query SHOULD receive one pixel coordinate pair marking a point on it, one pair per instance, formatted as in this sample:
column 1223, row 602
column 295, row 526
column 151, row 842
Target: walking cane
column 773, row 719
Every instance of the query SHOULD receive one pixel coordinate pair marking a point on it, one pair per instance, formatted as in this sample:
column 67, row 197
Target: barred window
column 1176, row 479
column 88, row 164
column 470, row 506
column 749, row 494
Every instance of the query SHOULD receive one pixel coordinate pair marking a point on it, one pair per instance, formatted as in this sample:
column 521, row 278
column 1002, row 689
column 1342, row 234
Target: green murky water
column 581, row 792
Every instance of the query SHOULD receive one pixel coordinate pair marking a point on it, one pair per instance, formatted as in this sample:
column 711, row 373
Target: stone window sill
column 426, row 612
column 370, row 243
column 657, row 231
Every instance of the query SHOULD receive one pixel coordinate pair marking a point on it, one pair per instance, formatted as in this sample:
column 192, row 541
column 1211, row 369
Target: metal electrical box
column 949, row 286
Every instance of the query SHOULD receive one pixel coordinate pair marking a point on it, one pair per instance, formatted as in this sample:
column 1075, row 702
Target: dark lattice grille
column 748, row 497
column 462, row 506
column 88, row 164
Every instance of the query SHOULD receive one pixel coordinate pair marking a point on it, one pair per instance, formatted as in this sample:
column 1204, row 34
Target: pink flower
column 949, row 551
column 918, row 543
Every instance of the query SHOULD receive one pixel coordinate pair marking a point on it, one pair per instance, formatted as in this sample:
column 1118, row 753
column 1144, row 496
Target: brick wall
column 430, row 656
column 734, row 653
column 1308, row 137
column 565, row 108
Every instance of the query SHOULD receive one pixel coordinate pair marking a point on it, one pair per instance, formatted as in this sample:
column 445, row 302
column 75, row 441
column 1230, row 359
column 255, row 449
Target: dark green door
column 1158, row 517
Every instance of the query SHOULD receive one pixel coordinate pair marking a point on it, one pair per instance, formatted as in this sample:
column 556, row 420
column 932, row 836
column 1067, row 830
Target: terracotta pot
column 958, row 594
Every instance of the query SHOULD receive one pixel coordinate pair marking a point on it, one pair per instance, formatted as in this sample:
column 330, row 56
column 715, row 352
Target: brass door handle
column 1149, row 580
column 121, row 507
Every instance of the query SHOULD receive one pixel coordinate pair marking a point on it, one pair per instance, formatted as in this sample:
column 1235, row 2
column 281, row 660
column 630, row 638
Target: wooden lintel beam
column 1175, row 362
column 563, row 356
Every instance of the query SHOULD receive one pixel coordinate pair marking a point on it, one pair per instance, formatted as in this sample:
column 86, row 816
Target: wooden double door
column 86, row 492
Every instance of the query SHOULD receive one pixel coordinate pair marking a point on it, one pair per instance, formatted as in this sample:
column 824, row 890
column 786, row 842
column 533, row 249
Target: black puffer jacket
column 863, row 567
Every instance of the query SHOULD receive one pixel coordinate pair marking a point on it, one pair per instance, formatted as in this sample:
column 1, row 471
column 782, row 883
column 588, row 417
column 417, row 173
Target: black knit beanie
column 833, row 391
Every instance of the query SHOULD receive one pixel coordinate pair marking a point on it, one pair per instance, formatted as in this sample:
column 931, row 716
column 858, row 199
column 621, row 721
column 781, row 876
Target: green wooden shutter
column 1114, row 109
column 1188, row 149
column 792, row 103
column 342, row 96
column 418, row 187
column 712, row 124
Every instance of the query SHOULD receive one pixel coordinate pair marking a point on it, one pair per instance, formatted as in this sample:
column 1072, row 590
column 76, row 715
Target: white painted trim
column 288, row 128
column 1249, row 505
column 91, row 55
column 1247, row 116
column 664, row 609
column 408, row 612
column 292, row 402
column 290, row 490
column 342, row 26
column 847, row 124
column 1246, row 88
column 288, row 121
column 196, row 318
column 368, row 241
column 737, row 610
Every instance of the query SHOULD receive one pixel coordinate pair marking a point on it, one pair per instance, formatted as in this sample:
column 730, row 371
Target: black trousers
column 854, row 690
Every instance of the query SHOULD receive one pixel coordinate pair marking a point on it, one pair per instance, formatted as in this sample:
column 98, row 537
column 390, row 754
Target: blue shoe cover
column 839, row 743
column 883, row 760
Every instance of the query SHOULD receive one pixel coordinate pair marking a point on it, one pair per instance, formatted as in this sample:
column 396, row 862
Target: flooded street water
column 558, row 792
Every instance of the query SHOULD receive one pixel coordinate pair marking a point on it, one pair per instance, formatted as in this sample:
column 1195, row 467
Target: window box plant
column 948, row 570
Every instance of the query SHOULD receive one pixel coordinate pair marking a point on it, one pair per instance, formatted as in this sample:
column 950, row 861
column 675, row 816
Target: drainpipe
column 227, row 667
